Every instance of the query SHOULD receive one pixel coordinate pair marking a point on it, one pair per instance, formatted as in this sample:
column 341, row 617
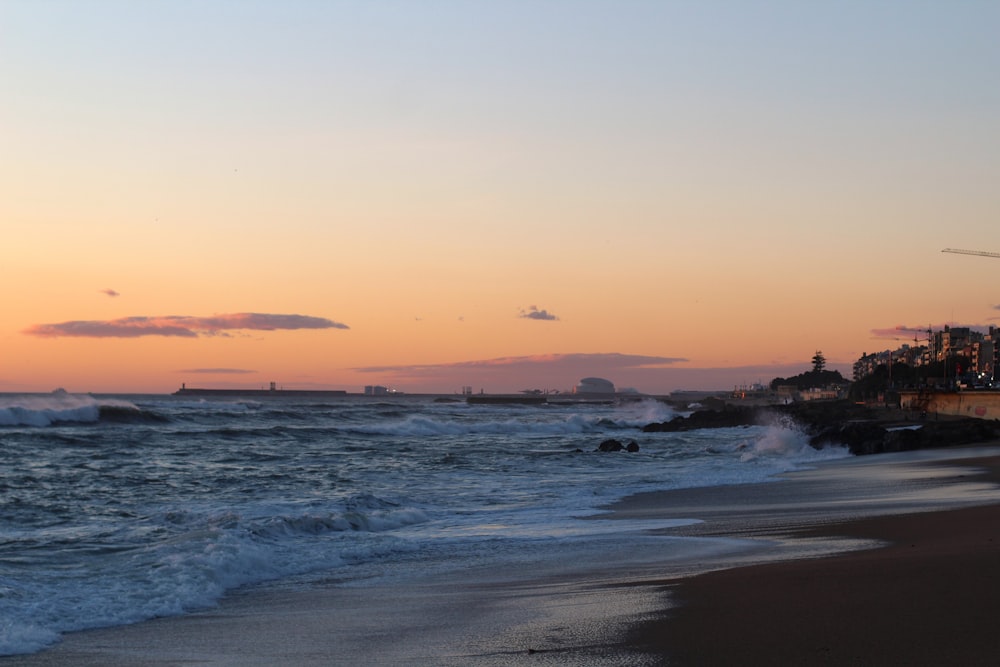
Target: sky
column 510, row 195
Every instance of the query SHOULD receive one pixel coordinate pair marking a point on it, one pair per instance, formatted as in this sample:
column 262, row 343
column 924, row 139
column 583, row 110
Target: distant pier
column 526, row 399
column 273, row 392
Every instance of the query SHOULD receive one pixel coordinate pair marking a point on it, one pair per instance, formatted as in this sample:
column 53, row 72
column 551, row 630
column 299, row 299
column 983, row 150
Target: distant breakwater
column 259, row 393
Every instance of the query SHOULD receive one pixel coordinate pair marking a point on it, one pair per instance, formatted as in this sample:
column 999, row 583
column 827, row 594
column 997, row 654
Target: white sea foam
column 208, row 553
column 155, row 518
column 785, row 439
column 17, row 637
column 48, row 409
column 436, row 426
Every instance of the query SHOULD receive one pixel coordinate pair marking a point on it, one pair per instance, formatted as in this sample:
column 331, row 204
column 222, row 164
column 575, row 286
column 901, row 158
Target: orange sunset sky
column 504, row 195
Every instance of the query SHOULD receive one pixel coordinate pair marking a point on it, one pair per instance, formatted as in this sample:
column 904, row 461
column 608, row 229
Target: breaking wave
column 60, row 407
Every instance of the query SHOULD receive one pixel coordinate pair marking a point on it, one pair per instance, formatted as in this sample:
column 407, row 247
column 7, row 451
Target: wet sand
column 932, row 597
column 927, row 600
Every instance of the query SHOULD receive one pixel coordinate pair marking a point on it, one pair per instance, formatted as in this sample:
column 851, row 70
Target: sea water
column 117, row 509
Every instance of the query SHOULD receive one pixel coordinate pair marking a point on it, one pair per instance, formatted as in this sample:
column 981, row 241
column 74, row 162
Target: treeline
column 810, row 379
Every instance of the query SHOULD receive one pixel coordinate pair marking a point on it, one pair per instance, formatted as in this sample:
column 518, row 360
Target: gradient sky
column 504, row 195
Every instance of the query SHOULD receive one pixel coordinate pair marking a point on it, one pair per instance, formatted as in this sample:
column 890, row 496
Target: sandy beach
column 924, row 594
column 772, row 594
column 928, row 599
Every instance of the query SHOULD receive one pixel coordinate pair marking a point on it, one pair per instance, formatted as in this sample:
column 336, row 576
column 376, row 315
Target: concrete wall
column 981, row 404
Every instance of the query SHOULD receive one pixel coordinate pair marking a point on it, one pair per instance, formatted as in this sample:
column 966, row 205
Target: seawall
column 261, row 393
column 981, row 404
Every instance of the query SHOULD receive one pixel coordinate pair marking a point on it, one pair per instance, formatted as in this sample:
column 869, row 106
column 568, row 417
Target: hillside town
column 951, row 358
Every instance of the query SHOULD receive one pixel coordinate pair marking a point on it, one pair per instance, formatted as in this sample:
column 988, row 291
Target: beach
column 765, row 591
column 929, row 597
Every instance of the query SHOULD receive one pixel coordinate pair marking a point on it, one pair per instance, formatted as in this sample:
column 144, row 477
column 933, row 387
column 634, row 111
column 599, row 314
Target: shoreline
column 926, row 597
column 626, row 613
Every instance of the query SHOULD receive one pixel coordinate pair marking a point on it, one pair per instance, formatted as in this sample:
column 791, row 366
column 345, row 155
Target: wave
column 363, row 514
column 786, row 439
column 130, row 414
column 430, row 426
column 178, row 560
column 640, row 413
column 555, row 422
column 59, row 407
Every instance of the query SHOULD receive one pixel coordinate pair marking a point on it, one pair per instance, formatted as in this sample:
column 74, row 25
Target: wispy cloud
column 899, row 331
column 217, row 371
column 553, row 363
column 110, row 292
column 180, row 326
column 535, row 313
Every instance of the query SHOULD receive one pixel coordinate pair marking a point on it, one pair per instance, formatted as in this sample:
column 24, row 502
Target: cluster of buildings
column 964, row 354
column 379, row 390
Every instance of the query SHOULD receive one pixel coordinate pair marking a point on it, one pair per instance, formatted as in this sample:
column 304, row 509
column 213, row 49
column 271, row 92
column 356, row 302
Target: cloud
column 218, row 371
column 110, row 292
column 899, row 332
column 902, row 332
column 180, row 326
column 533, row 313
column 549, row 363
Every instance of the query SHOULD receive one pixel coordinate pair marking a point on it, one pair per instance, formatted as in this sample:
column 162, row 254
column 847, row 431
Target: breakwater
column 260, row 393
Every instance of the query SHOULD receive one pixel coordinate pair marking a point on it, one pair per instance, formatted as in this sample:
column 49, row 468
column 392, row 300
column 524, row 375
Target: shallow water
column 119, row 509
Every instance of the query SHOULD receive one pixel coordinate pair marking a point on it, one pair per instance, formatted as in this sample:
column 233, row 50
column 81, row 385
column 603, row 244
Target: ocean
column 118, row 509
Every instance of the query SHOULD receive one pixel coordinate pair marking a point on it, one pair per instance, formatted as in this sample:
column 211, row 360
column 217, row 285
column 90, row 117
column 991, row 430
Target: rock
column 731, row 416
column 859, row 437
column 841, row 423
column 902, row 440
column 617, row 446
column 610, row 446
column 871, row 438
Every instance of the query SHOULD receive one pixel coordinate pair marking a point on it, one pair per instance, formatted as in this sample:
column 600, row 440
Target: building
column 963, row 350
column 594, row 386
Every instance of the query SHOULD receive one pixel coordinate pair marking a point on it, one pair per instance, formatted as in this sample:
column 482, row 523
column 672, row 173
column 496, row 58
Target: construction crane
column 981, row 253
column 930, row 334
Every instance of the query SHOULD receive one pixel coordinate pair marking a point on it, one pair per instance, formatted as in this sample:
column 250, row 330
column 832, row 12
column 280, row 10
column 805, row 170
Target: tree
column 819, row 362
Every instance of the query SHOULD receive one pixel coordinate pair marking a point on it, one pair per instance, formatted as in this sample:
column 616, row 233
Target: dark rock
column 632, row 446
column 731, row 416
column 859, row 437
column 610, row 446
column 901, row 440
column 842, row 423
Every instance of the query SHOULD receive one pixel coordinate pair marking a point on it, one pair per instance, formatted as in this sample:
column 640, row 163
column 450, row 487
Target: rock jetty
column 861, row 429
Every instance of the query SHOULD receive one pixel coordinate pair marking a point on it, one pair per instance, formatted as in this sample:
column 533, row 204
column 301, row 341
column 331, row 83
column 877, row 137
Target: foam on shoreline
column 925, row 597
column 566, row 612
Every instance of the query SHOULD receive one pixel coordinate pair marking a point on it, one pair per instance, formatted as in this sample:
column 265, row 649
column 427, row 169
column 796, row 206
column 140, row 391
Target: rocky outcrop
column 952, row 433
column 842, row 423
column 725, row 418
column 617, row 446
